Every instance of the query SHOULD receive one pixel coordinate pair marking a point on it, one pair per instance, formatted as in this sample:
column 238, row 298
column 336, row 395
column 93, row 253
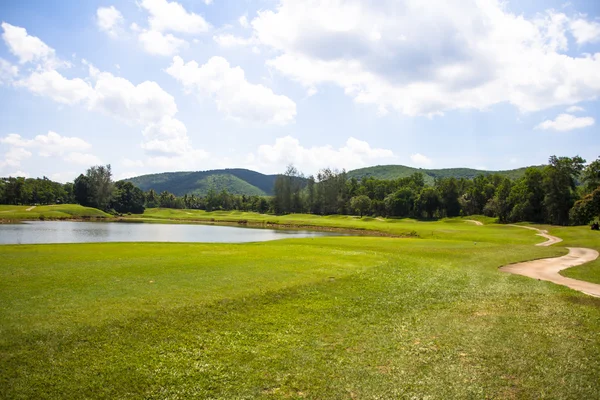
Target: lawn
column 59, row 211
column 325, row 318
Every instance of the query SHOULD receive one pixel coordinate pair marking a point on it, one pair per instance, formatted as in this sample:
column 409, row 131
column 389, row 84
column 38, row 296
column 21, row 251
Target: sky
column 158, row 85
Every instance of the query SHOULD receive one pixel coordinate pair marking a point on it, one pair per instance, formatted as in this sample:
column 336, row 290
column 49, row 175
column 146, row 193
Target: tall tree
column 560, row 181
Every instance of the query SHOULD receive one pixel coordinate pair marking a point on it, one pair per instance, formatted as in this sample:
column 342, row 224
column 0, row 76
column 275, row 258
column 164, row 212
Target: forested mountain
column 235, row 181
column 401, row 171
column 243, row 181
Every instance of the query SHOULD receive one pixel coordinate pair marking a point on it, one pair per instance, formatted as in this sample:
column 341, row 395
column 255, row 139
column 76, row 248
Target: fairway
column 347, row 317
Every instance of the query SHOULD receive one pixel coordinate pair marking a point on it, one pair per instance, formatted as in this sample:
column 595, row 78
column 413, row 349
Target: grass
column 64, row 211
column 347, row 317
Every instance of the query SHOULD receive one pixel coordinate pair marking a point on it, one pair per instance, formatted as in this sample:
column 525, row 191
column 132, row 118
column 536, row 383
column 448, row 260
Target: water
column 89, row 232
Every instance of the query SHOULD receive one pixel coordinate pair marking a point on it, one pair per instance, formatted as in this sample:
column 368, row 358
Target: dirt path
column 475, row 222
column 548, row 269
column 30, row 208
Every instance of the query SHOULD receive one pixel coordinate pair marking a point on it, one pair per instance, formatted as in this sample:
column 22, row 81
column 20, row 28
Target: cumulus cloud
column 229, row 40
column 419, row 59
column 145, row 104
column 158, row 43
column 109, row 20
column 566, row 122
column 48, row 145
column 421, row 160
column 168, row 16
column 27, row 48
column 573, row 109
column 232, row 93
column 585, row 31
column 288, row 150
column 14, row 156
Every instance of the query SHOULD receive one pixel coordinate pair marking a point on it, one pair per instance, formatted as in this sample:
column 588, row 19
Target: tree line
column 566, row 191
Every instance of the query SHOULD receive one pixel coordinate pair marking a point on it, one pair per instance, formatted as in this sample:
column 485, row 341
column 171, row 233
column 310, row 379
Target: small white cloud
column 566, row 122
column 27, row 48
column 109, row 20
column 585, row 31
column 573, row 109
column 157, row 43
column 18, row 174
column 232, row 93
column 51, row 83
column 51, row 144
column 243, row 20
column 168, row 16
column 421, row 160
column 208, row 2
column 128, row 163
column 14, row 156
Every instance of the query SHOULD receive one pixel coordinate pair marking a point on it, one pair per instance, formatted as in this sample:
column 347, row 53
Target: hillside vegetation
column 401, row 171
column 252, row 183
column 235, row 181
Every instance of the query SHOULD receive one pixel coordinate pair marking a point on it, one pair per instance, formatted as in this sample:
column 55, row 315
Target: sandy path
column 30, row 208
column 548, row 269
column 475, row 222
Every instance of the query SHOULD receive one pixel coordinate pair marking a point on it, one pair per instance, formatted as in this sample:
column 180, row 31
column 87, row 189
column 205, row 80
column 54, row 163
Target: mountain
column 235, row 181
column 244, row 181
column 401, row 171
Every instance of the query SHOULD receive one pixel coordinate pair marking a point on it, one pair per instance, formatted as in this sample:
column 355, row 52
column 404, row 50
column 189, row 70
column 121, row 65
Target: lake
column 34, row 232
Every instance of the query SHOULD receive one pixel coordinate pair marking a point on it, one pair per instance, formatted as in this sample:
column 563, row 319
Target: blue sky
column 158, row 85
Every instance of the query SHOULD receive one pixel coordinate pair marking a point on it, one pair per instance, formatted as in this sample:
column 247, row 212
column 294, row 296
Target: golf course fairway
column 429, row 316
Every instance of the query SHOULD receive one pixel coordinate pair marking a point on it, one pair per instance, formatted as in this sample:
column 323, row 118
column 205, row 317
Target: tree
column 128, row 198
column 560, row 180
column 448, row 190
column 401, row 203
column 101, row 186
column 591, row 176
column 360, row 204
column 82, row 190
column 428, row 202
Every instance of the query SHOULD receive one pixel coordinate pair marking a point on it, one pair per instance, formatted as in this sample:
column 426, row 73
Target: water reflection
column 88, row 232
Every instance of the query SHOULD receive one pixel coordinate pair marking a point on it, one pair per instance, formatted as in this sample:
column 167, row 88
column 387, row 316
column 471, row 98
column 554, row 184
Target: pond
column 89, row 232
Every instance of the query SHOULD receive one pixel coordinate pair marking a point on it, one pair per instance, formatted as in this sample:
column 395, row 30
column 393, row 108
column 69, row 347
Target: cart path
column 475, row 222
column 548, row 269
column 30, row 208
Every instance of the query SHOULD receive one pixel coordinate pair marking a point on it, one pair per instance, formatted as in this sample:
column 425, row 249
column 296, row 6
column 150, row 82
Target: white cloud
column 18, row 173
column 243, row 20
column 288, row 150
column 128, row 163
column 566, row 122
column 585, row 31
column 82, row 159
column 7, row 72
column 208, row 2
column 421, row 160
column 51, row 83
column 573, row 109
column 14, row 156
column 420, row 59
column 27, row 48
column 168, row 16
column 109, row 20
column 233, row 94
column 157, row 43
column 51, row 144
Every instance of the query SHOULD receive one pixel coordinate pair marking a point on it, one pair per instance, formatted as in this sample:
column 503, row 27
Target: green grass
column 326, row 318
column 63, row 211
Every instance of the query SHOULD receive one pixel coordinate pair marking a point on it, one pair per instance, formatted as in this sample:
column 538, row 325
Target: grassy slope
column 64, row 211
column 317, row 318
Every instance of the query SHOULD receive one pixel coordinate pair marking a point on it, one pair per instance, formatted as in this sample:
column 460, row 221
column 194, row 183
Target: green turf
column 322, row 318
column 64, row 211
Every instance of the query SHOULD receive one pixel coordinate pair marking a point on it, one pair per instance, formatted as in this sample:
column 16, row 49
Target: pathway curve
column 30, row 208
column 475, row 222
column 548, row 269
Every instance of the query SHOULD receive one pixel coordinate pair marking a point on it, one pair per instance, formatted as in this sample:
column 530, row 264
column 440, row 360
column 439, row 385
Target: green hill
column 401, row 171
column 244, row 181
column 236, row 181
